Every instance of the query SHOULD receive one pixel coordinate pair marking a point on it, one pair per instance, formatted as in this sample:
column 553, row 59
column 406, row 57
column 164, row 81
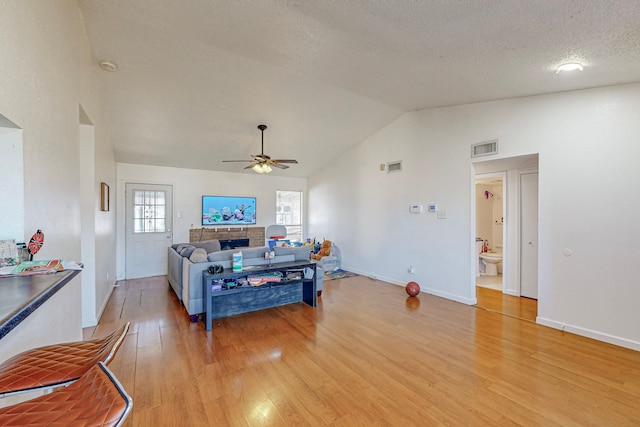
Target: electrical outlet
column 411, row 270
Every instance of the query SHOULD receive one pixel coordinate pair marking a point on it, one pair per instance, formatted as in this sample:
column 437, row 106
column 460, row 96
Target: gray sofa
column 177, row 252
column 187, row 266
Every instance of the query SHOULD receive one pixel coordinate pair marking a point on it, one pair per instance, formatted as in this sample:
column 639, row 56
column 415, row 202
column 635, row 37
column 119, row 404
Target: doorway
column 148, row 229
column 490, row 223
column 518, row 223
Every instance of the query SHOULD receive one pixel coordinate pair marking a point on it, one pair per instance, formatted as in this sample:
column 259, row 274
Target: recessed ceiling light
column 108, row 66
column 570, row 66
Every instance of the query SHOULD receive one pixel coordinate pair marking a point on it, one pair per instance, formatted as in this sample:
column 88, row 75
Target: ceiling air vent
column 484, row 148
column 394, row 166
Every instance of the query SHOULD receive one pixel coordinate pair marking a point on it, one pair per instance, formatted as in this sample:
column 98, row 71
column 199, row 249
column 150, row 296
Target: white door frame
column 512, row 166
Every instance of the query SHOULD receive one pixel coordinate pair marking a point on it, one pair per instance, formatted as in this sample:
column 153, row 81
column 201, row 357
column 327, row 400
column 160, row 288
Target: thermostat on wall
column 415, row 209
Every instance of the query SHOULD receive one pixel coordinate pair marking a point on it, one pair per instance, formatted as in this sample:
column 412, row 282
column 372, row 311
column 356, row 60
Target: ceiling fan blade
column 250, row 166
column 285, row 161
column 232, row 161
column 279, row 166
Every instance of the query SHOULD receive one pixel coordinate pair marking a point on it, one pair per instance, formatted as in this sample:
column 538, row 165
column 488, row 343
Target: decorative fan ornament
column 261, row 163
column 36, row 242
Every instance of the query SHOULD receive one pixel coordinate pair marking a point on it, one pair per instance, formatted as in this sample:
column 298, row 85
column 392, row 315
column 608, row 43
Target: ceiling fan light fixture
column 261, row 168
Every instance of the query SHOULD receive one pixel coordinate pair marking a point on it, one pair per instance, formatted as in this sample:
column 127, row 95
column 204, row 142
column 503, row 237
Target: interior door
column 148, row 225
column 529, row 235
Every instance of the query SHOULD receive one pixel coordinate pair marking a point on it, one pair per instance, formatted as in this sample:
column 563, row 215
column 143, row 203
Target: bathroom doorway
column 490, row 221
column 498, row 223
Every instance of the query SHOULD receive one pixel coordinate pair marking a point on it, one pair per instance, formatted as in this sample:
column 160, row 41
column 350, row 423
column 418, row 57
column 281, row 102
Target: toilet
column 491, row 261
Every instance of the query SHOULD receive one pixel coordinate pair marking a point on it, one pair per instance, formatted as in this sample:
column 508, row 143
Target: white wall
column 484, row 213
column 189, row 185
column 588, row 182
column 46, row 73
column 11, row 184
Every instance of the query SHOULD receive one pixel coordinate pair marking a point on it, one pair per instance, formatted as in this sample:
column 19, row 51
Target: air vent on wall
column 484, row 148
column 394, row 166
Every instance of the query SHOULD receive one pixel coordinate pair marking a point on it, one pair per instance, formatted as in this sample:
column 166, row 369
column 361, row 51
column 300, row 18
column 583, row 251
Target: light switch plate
column 442, row 214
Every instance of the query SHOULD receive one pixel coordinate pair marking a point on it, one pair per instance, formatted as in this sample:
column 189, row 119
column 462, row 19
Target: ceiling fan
column 261, row 163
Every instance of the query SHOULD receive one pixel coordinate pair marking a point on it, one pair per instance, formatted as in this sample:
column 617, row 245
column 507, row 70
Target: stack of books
column 261, row 279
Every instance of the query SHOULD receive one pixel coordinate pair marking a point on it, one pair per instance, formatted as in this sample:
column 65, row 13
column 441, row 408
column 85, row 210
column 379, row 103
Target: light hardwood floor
column 494, row 300
column 367, row 356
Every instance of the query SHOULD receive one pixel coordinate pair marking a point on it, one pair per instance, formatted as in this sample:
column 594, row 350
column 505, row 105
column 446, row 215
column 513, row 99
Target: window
column 149, row 211
column 289, row 213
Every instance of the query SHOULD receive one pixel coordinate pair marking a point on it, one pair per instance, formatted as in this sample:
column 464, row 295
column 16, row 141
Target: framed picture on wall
column 104, row 197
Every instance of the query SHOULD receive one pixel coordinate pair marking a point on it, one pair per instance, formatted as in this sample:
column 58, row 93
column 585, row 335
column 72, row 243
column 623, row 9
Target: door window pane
column 149, row 210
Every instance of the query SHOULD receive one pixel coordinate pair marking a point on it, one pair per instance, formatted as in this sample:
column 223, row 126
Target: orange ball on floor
column 412, row 289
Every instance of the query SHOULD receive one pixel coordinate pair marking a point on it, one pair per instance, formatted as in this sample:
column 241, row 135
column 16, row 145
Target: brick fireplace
column 229, row 235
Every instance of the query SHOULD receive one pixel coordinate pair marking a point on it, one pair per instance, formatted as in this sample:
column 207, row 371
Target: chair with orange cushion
column 58, row 364
column 97, row 399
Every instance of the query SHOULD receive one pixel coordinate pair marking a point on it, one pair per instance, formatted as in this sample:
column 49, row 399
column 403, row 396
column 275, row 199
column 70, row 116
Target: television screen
column 226, row 210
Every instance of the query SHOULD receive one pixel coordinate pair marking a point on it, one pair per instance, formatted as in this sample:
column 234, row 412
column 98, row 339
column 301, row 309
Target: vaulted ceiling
column 195, row 78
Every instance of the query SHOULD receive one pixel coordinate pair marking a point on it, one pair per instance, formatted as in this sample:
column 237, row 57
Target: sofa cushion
column 301, row 253
column 247, row 253
column 220, row 256
column 208, row 245
column 257, row 252
column 198, row 255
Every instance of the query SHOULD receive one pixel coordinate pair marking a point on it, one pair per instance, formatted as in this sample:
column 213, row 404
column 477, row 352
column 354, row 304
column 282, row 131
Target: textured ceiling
column 196, row 77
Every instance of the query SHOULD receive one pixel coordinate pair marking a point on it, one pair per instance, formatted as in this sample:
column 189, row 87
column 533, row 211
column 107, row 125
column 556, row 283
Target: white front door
column 149, row 228
column 529, row 235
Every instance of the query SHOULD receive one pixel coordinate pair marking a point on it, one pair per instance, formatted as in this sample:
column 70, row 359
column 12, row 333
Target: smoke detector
column 108, row 66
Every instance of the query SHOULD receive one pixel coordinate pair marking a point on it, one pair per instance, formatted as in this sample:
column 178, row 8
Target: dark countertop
column 22, row 295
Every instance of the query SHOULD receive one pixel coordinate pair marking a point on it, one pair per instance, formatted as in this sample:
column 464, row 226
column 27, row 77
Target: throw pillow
column 198, row 255
column 187, row 250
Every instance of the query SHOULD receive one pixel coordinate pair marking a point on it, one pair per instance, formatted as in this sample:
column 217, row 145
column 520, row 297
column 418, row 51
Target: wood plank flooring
column 367, row 356
column 494, row 300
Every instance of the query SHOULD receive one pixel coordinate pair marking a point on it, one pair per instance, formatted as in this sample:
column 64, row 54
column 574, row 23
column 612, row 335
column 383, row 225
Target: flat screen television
column 227, row 210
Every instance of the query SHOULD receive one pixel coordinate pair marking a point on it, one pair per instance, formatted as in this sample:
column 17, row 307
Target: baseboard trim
column 599, row 336
column 103, row 306
column 457, row 298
